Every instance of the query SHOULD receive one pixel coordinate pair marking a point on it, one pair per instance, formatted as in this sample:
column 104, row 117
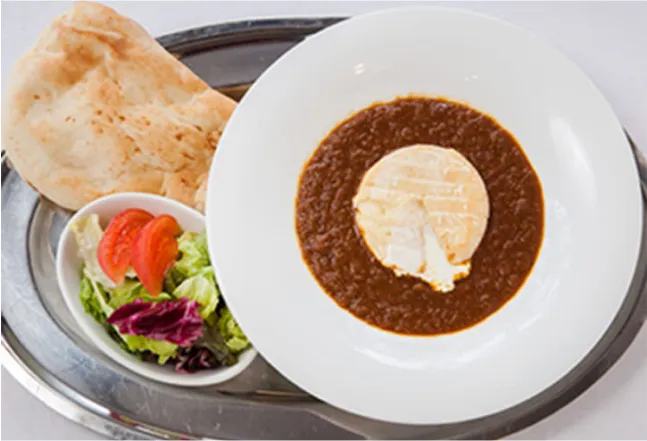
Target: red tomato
column 154, row 252
column 114, row 248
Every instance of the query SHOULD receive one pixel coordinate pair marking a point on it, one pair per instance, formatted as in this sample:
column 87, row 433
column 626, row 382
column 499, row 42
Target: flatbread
column 97, row 106
column 420, row 201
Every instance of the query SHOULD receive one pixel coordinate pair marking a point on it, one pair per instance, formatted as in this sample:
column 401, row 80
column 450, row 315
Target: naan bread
column 97, row 106
column 422, row 211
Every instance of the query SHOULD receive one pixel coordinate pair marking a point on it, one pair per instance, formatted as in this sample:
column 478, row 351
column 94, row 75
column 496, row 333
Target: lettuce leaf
column 100, row 294
column 88, row 233
column 215, row 342
column 210, row 275
column 175, row 321
column 130, row 290
column 234, row 337
column 203, row 291
column 195, row 359
column 173, row 279
column 193, row 261
column 193, row 277
column 90, row 302
column 163, row 349
column 195, row 256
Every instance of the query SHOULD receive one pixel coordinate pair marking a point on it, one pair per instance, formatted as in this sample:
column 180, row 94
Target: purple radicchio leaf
column 176, row 321
column 195, row 359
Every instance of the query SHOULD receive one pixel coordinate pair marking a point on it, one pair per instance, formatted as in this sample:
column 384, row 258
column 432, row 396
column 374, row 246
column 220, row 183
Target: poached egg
column 422, row 210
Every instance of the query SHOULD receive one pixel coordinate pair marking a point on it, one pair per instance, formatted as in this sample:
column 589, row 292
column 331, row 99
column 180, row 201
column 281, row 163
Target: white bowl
column 573, row 139
column 68, row 270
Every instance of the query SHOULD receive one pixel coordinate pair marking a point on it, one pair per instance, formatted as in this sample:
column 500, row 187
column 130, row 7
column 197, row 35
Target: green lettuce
column 97, row 298
column 131, row 290
column 192, row 275
column 173, row 279
column 213, row 341
column 138, row 343
column 195, row 256
column 90, row 302
column 234, row 338
column 210, row 275
column 203, row 291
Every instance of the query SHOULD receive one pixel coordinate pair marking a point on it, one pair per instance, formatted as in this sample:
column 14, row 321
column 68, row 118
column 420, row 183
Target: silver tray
column 43, row 348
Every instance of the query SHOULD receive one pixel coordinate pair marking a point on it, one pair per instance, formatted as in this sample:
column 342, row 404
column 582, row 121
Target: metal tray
column 43, row 348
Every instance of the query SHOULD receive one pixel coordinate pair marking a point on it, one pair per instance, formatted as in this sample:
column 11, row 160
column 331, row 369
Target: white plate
column 573, row 139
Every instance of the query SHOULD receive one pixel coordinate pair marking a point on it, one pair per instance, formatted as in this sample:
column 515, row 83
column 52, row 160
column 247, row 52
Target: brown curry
column 335, row 251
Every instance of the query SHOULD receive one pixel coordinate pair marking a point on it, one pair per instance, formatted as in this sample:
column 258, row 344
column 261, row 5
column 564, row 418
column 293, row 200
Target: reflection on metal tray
column 47, row 353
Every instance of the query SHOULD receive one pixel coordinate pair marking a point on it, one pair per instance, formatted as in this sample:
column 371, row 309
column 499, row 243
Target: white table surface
column 607, row 40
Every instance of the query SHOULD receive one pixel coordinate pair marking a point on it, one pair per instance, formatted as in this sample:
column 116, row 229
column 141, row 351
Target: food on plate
column 422, row 210
column 114, row 252
column 355, row 190
column 158, row 296
column 154, row 251
column 97, row 106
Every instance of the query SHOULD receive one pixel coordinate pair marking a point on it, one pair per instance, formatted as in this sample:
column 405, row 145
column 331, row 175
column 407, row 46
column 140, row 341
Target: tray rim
column 192, row 40
column 100, row 419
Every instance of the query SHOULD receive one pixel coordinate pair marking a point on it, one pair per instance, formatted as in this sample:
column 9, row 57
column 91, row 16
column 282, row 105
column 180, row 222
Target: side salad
column 153, row 289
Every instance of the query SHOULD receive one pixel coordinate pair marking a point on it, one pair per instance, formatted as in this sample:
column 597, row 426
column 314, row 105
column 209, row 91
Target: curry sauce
column 334, row 249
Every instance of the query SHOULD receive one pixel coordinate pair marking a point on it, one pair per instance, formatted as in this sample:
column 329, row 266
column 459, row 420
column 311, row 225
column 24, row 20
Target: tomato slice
column 113, row 252
column 154, row 251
